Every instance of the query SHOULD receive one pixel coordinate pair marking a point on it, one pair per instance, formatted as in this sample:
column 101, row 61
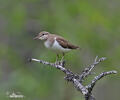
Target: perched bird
column 56, row 43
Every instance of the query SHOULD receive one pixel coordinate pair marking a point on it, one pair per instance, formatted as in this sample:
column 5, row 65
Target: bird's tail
column 78, row 48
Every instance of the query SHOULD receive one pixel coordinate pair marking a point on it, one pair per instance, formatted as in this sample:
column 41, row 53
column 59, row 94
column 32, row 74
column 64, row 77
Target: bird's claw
column 57, row 62
column 62, row 63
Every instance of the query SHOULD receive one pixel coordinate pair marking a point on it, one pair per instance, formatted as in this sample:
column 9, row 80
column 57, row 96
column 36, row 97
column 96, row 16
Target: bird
column 56, row 43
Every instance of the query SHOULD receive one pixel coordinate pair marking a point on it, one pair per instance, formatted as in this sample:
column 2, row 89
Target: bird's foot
column 62, row 63
column 58, row 63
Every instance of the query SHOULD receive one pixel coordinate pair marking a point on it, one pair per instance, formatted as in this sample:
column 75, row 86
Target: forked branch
column 77, row 79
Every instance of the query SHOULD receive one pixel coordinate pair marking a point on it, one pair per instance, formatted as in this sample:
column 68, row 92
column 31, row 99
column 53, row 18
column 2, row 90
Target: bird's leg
column 62, row 60
column 57, row 57
column 62, row 57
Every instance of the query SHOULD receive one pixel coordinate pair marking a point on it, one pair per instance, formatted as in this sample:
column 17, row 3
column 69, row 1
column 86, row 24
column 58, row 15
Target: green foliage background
column 94, row 25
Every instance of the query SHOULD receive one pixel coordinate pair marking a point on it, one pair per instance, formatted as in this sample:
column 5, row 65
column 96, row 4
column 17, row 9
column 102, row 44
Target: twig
column 93, row 82
column 69, row 74
column 88, row 70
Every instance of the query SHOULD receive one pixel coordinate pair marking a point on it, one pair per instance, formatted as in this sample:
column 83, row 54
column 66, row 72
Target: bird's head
column 42, row 35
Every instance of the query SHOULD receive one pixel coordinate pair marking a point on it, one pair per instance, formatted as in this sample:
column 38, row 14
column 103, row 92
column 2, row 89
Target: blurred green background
column 94, row 25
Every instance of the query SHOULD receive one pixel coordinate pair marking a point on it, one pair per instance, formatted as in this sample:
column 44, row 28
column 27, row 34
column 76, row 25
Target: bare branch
column 80, row 87
column 93, row 82
column 53, row 65
column 87, row 71
column 89, row 97
column 69, row 74
column 78, row 79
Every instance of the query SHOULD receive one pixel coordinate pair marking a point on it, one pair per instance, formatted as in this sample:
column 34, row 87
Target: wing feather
column 65, row 44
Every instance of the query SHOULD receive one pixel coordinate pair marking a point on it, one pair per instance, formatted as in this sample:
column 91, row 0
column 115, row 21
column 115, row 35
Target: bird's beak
column 35, row 38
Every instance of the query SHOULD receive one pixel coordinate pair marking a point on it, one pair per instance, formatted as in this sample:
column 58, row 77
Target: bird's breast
column 47, row 44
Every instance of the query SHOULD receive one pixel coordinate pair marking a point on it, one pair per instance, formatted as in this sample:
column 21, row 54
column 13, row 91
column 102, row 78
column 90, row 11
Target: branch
column 78, row 79
column 88, row 70
column 69, row 74
column 93, row 82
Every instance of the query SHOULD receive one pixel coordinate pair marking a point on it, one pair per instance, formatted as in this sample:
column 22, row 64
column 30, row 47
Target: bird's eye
column 43, row 34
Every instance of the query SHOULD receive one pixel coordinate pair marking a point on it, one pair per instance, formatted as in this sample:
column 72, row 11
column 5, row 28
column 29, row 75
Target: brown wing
column 65, row 44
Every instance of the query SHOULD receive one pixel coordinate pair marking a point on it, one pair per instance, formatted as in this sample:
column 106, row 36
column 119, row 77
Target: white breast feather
column 47, row 44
